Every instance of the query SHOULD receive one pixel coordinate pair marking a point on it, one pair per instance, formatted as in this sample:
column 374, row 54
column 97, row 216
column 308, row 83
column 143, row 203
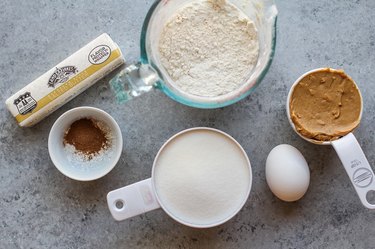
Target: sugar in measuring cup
column 150, row 73
column 201, row 177
column 324, row 106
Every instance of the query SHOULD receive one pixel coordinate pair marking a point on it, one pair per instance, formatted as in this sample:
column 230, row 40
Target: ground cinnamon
column 86, row 136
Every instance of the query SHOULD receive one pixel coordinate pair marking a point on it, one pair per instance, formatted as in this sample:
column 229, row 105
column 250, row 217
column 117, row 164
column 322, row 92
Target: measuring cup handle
column 132, row 200
column 357, row 166
column 133, row 81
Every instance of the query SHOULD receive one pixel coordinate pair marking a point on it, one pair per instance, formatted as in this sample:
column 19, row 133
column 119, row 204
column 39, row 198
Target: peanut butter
column 325, row 105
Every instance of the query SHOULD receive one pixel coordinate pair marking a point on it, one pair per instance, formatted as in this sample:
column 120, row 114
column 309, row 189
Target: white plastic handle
column 357, row 166
column 132, row 200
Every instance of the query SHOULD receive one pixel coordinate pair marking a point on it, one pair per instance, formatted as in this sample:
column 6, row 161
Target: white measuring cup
column 145, row 196
column 349, row 151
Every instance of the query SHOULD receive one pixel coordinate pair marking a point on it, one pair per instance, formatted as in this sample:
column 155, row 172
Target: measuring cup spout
column 133, row 81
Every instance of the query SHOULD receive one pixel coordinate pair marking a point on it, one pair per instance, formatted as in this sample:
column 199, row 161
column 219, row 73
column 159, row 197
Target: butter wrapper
column 65, row 81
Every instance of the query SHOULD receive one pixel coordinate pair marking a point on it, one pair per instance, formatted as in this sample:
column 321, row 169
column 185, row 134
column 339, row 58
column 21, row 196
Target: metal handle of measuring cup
column 133, row 81
column 357, row 167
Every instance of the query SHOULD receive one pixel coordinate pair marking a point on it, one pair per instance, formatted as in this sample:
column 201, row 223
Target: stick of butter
column 65, row 81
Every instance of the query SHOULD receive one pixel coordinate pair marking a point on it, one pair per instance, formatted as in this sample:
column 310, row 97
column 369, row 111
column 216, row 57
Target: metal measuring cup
column 349, row 151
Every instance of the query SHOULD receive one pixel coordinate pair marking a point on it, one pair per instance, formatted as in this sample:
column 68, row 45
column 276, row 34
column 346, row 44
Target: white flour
column 202, row 177
column 208, row 47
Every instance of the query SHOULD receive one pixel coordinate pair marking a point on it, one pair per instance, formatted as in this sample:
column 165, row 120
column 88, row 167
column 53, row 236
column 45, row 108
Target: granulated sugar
column 208, row 47
column 202, row 177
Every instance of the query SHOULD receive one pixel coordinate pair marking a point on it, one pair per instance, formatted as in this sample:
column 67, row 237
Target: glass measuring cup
column 149, row 73
column 349, row 151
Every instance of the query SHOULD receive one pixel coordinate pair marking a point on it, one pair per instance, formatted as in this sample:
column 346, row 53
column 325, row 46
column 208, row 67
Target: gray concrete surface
column 40, row 208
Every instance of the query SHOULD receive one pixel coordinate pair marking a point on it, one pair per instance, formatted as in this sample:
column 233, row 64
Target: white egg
column 287, row 173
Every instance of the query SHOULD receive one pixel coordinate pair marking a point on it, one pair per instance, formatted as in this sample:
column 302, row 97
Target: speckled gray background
column 41, row 208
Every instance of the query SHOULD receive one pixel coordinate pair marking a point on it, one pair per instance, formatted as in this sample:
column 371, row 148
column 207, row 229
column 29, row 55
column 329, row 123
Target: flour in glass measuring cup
column 202, row 177
column 208, row 47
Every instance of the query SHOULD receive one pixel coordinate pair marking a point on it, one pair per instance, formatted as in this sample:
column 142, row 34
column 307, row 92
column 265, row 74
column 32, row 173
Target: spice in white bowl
column 87, row 139
column 72, row 162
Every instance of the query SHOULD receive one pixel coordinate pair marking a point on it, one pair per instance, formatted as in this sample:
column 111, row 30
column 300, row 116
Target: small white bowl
column 67, row 163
